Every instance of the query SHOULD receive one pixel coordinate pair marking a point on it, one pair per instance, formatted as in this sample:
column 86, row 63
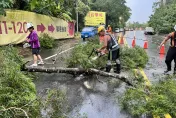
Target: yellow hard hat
column 100, row 29
column 108, row 25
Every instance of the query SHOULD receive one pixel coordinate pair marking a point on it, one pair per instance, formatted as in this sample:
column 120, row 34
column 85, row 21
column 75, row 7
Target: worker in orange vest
column 171, row 54
column 109, row 29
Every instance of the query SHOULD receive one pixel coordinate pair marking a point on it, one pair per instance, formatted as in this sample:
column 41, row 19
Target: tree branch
column 14, row 108
column 77, row 71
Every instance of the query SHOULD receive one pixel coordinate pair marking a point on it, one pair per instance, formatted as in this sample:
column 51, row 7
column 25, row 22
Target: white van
column 149, row 30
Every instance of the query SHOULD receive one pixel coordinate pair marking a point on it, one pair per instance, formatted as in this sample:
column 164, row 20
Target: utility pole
column 76, row 16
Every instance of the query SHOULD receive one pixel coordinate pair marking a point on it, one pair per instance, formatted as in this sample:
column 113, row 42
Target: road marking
column 147, row 81
column 58, row 53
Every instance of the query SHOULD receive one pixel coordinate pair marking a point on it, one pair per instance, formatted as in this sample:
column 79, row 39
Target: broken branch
column 77, row 71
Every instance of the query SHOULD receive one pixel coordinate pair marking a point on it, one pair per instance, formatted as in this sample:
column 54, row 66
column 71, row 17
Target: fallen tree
column 75, row 71
column 81, row 62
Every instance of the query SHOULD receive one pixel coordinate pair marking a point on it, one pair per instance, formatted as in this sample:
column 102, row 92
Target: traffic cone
column 134, row 42
column 162, row 49
column 121, row 40
column 145, row 44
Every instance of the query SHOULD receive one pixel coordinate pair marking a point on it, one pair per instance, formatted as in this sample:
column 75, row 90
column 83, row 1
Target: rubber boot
column 118, row 68
column 108, row 68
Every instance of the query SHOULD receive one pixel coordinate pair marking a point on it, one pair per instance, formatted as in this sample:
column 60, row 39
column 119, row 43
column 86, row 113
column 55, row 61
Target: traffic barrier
column 145, row 44
column 134, row 42
column 162, row 49
column 121, row 40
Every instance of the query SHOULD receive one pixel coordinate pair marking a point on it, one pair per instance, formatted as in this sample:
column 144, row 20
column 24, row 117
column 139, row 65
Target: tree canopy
column 164, row 17
column 117, row 11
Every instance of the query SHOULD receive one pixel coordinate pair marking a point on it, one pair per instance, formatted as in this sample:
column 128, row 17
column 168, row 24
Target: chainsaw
column 98, row 54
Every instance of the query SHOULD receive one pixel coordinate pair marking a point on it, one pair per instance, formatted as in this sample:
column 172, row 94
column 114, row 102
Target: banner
column 94, row 18
column 13, row 26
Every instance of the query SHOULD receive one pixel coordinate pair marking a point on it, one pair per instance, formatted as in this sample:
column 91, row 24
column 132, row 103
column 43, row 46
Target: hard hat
column 100, row 29
column 175, row 27
column 108, row 25
column 29, row 25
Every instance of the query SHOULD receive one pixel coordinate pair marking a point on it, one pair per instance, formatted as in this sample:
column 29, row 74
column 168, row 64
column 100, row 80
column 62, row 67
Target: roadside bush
column 133, row 57
column 47, row 41
column 17, row 91
column 157, row 100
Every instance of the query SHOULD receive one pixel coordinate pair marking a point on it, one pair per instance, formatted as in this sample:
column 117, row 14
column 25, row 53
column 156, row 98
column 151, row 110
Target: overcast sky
column 141, row 9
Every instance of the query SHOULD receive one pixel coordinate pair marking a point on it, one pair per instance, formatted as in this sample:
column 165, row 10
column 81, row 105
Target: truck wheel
column 84, row 39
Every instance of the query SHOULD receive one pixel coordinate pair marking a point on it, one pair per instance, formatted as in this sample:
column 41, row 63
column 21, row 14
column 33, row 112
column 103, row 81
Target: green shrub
column 80, row 54
column 158, row 101
column 16, row 88
column 46, row 41
column 133, row 57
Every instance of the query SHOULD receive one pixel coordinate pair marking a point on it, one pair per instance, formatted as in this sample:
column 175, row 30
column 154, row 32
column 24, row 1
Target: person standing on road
column 112, row 48
column 171, row 54
column 33, row 40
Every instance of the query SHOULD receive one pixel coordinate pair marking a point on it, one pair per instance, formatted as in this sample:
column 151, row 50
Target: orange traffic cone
column 121, row 40
column 145, row 44
column 162, row 49
column 134, row 42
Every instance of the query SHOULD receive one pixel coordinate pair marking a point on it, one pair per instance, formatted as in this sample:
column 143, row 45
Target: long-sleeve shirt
column 34, row 40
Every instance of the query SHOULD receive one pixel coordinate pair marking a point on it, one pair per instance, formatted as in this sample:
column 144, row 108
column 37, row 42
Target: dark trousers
column 114, row 56
column 171, row 55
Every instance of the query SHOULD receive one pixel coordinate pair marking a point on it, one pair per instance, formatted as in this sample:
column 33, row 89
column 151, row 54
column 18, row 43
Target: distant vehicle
column 117, row 30
column 88, row 32
column 121, row 29
column 149, row 30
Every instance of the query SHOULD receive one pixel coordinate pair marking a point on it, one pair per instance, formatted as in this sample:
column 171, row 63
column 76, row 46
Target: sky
column 141, row 10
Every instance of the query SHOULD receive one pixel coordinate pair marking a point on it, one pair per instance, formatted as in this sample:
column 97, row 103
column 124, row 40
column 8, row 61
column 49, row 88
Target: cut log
column 77, row 71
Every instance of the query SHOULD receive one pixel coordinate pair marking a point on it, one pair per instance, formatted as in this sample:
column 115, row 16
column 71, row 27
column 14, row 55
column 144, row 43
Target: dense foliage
column 133, row 57
column 157, row 100
column 46, row 41
column 117, row 11
column 16, row 88
column 130, row 57
column 18, row 93
column 80, row 54
column 164, row 17
column 5, row 4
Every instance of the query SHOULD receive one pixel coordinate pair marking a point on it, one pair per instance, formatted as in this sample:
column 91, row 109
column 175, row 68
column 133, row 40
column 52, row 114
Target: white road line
column 58, row 53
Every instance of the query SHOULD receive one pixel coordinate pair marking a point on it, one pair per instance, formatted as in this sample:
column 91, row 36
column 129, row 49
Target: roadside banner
column 94, row 18
column 13, row 26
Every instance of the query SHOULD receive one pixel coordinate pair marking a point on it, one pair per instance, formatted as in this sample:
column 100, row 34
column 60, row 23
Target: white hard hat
column 175, row 27
column 29, row 25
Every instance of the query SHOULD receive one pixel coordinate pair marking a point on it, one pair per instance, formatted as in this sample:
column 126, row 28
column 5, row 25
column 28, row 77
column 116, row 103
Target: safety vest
column 173, row 39
column 112, row 43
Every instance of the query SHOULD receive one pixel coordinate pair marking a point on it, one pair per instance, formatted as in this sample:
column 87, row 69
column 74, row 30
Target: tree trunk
column 77, row 71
